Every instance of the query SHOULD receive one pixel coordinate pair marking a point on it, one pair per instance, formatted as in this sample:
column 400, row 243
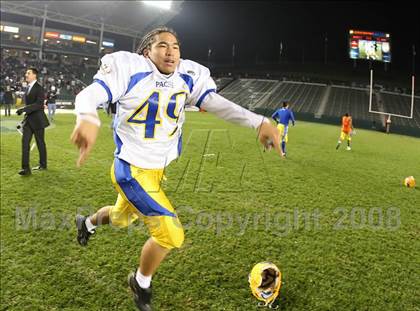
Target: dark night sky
column 257, row 27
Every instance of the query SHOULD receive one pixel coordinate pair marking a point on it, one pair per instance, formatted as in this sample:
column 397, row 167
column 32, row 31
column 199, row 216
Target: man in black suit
column 34, row 123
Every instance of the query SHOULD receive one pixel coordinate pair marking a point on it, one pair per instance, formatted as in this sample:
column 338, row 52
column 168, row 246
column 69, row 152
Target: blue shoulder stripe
column 200, row 100
column 188, row 80
column 108, row 91
column 136, row 78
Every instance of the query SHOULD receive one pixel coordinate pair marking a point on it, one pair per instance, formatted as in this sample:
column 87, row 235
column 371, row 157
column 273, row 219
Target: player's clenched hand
column 269, row 136
column 84, row 137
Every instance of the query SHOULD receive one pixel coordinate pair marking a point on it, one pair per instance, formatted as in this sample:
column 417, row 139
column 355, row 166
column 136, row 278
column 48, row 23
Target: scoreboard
column 370, row 45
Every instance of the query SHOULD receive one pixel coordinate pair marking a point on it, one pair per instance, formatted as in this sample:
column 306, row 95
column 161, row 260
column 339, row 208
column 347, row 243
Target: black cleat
column 142, row 296
column 25, row 172
column 83, row 233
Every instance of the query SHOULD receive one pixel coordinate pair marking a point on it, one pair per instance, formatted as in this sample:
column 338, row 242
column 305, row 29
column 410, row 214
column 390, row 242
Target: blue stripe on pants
column 135, row 192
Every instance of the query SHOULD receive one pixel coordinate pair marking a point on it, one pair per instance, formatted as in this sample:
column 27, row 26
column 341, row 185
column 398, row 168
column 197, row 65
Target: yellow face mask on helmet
column 265, row 282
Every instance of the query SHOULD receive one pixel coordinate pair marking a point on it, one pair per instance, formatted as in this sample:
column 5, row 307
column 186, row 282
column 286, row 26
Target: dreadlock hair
column 149, row 38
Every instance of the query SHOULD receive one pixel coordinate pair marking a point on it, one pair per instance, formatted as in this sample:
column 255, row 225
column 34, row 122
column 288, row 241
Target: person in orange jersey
column 346, row 131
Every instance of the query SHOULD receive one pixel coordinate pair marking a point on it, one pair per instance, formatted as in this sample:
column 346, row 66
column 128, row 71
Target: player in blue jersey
column 151, row 88
column 282, row 117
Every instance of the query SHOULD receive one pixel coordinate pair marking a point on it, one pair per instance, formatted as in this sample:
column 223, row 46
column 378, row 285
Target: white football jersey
column 150, row 105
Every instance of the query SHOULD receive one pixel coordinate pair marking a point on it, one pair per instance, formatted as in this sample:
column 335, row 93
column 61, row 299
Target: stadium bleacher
column 352, row 100
column 248, row 92
column 401, row 104
column 222, row 82
column 64, row 77
column 306, row 95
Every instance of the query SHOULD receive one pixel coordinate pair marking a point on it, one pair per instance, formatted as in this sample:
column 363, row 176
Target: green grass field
column 339, row 224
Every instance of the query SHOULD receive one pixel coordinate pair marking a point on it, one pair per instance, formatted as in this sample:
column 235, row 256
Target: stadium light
column 166, row 5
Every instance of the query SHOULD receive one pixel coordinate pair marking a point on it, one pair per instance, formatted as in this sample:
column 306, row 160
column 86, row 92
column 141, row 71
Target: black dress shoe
column 39, row 168
column 24, row 172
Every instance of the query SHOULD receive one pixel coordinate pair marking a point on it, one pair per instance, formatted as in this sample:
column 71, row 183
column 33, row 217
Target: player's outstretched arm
column 268, row 134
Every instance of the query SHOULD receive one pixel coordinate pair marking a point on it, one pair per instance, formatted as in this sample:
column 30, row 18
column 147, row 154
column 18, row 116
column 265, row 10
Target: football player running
column 151, row 88
column 283, row 116
column 346, row 131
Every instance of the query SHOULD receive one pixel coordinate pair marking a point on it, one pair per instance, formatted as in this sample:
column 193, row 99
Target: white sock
column 144, row 281
column 89, row 225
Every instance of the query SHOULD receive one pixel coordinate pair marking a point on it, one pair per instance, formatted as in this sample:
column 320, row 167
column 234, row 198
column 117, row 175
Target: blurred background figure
column 51, row 102
column 8, row 100
column 388, row 124
column 112, row 110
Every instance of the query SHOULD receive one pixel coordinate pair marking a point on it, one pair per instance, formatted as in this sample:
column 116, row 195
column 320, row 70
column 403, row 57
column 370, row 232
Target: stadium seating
column 248, row 92
column 401, row 104
column 322, row 98
column 352, row 100
column 222, row 82
column 64, row 77
column 306, row 98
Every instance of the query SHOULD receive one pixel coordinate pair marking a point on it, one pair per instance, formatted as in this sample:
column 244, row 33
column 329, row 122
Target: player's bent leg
column 342, row 138
column 151, row 256
column 348, row 143
column 83, row 233
column 141, row 190
column 166, row 234
column 284, row 143
column 101, row 217
column 338, row 145
column 86, row 225
column 165, row 230
column 142, row 296
column 122, row 214
column 141, row 195
column 283, row 148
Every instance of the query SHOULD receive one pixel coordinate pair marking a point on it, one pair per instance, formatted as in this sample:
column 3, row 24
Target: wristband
column 89, row 118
